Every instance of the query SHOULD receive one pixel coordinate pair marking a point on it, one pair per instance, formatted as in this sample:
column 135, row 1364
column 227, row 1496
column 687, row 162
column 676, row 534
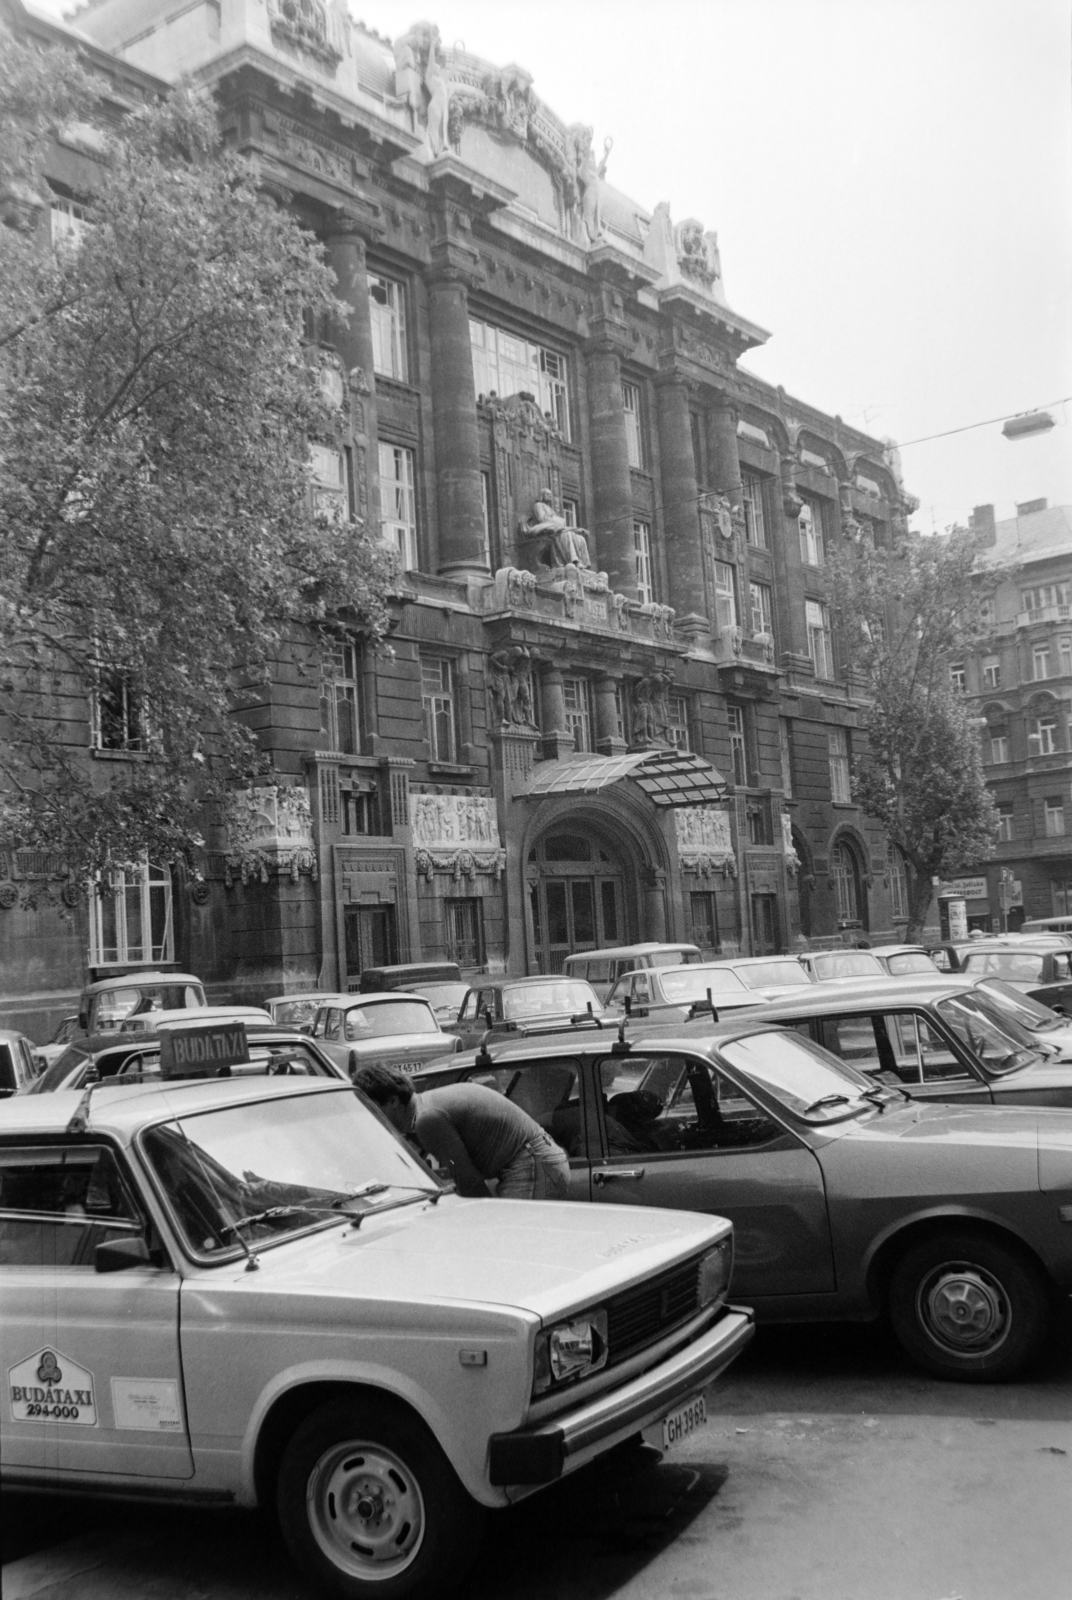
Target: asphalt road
column 829, row 1470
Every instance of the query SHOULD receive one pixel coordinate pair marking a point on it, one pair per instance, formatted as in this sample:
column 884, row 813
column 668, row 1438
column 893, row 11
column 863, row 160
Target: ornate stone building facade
column 612, row 708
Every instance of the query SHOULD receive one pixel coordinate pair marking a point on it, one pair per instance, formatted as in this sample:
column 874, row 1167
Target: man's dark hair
column 382, row 1084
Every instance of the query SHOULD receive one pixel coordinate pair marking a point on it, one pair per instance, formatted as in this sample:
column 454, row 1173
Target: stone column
column 555, row 741
column 612, row 489
column 681, row 505
column 722, row 451
column 789, row 572
column 457, row 444
column 352, row 337
column 609, row 742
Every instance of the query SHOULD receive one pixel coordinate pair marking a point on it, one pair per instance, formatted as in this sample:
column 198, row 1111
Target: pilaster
column 455, row 263
column 681, row 499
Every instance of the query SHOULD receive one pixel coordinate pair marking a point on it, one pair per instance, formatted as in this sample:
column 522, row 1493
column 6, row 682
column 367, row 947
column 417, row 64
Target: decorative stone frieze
column 704, row 841
column 269, row 829
column 456, row 834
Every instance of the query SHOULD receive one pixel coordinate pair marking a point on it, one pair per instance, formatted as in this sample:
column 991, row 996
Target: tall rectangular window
column 1064, row 657
column 465, row 931
column 339, row 724
column 817, row 618
column 755, row 518
column 704, row 921
column 725, row 596
column 759, row 595
column 642, row 547
column 1042, row 736
column 840, row 778
column 485, row 511
column 1053, row 812
column 958, row 676
column 130, row 922
column 1040, row 662
column 398, row 502
column 991, row 672
column 999, row 748
column 437, row 706
column 619, row 712
column 68, row 221
column 678, row 726
column 634, row 438
column 118, row 714
column 504, row 364
column 785, row 749
column 1005, row 822
column 810, row 522
column 577, row 697
column 738, row 743
column 387, row 305
column 1061, row 896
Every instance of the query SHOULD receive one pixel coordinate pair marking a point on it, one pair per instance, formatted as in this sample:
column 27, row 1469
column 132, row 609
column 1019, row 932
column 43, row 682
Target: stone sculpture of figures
column 510, row 681
column 651, row 714
column 421, row 84
column 438, row 97
column 560, row 544
column 590, row 175
column 408, row 83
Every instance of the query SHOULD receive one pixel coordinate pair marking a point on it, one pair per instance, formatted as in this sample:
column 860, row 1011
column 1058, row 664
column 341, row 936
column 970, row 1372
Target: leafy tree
column 904, row 613
column 159, row 544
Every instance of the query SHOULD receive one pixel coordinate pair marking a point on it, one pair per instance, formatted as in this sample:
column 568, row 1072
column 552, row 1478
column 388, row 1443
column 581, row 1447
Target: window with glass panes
column 1064, row 657
column 1061, row 896
column 1053, row 816
column 642, row 547
column 118, row 714
column 1005, row 821
column 810, row 523
column 577, row 698
column 387, row 307
column 999, row 746
column 738, row 743
column 958, row 676
column 725, row 595
column 755, row 517
column 840, row 778
column 1045, row 595
column 820, row 647
column 1042, row 736
column 898, row 877
column 485, row 511
column 503, row 364
column 398, row 503
column 704, row 920
column 759, row 595
column 619, row 712
column 437, row 706
column 785, row 750
column 465, row 931
column 846, row 877
column 1040, row 662
column 633, row 434
column 991, row 672
column 339, row 722
column 678, row 725
column 130, row 922
column 68, row 221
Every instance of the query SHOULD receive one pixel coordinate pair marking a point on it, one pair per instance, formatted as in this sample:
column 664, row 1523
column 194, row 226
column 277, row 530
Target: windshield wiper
column 366, row 1189
column 271, row 1212
column 827, row 1100
column 879, row 1094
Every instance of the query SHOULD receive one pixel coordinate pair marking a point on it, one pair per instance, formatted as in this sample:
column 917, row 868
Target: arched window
column 898, row 876
column 846, row 874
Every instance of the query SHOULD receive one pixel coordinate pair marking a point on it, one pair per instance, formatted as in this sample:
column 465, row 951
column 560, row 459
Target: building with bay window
column 612, row 708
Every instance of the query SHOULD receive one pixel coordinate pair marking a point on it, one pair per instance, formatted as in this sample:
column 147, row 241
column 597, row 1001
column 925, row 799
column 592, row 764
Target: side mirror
column 116, row 1255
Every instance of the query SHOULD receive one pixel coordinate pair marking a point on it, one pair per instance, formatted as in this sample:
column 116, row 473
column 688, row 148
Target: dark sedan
column 848, row 1197
column 518, row 1005
column 1043, row 974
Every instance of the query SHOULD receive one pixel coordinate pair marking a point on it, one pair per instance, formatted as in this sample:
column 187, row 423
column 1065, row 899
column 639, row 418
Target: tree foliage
column 904, row 614
column 158, row 537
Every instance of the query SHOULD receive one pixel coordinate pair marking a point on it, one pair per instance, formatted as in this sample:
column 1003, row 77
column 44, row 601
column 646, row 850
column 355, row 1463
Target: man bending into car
column 477, row 1135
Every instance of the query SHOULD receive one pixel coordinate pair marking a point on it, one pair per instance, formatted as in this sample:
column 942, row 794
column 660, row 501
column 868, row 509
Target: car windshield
column 847, row 964
column 772, row 974
column 907, row 961
column 445, row 999
column 671, row 958
column 54, row 1076
column 1029, row 1013
column 1024, row 966
column 296, row 1013
column 564, row 998
column 381, row 1018
column 808, row 1080
column 112, row 1006
column 251, row 1168
column 1001, row 1044
column 692, row 983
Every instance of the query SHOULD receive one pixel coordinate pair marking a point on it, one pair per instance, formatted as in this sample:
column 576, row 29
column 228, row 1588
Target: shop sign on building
column 963, row 889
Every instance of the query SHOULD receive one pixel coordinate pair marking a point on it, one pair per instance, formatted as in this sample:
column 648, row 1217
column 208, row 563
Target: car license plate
column 685, row 1420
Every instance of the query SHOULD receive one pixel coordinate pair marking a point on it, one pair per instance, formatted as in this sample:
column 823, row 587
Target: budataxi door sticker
column 50, row 1387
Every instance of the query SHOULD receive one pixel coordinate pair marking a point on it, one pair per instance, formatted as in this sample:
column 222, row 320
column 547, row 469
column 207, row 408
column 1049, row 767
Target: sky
column 891, row 182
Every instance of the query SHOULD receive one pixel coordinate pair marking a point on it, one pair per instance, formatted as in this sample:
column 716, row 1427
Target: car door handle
column 619, row 1175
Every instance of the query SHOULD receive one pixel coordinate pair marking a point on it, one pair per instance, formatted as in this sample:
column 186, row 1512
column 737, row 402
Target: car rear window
column 564, row 997
column 772, row 973
column 692, row 983
column 849, row 964
column 385, row 1017
column 909, row 961
column 1025, row 965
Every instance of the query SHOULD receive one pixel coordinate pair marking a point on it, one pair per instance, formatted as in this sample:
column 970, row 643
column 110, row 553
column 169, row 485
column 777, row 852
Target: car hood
column 939, row 1150
column 543, row 1257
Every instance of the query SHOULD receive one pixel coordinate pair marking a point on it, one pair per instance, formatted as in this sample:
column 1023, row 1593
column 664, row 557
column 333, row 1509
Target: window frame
column 737, row 724
column 133, row 876
column 1053, row 817
column 400, row 533
column 1006, row 821
column 839, row 756
column 812, row 532
column 763, row 593
column 342, row 654
column 1044, row 735
column 546, row 371
column 395, row 321
column 439, row 708
column 755, row 511
column 819, row 631
column 645, row 571
column 632, row 407
column 580, row 714
column 726, row 614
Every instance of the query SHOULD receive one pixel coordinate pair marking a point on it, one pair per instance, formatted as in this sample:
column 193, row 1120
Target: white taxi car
column 250, row 1291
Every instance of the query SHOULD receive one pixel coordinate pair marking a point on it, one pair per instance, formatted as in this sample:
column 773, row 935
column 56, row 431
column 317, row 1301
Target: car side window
column 641, row 988
column 941, row 960
column 1060, row 967
column 9, row 1078
column 682, row 1105
column 550, row 1091
column 853, row 1039
column 333, row 1024
column 57, row 1203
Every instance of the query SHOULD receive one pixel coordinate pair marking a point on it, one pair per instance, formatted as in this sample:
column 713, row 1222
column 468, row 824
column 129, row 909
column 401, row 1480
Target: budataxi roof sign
column 204, row 1050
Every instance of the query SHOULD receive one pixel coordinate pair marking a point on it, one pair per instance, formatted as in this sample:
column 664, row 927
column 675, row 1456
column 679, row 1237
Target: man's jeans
column 539, row 1171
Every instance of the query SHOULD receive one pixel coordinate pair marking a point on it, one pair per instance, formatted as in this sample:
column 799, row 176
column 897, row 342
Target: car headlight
column 715, row 1269
column 570, row 1350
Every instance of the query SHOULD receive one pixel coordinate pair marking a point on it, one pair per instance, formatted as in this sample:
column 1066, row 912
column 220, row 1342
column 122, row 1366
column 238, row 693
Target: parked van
column 1047, row 925
column 603, row 968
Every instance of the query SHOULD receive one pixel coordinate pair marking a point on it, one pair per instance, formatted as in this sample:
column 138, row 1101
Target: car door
column 90, row 1360
column 699, row 1144
column 550, row 1090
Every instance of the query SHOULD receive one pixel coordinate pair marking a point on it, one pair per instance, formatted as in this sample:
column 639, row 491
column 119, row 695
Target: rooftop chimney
column 981, row 522
column 1027, row 507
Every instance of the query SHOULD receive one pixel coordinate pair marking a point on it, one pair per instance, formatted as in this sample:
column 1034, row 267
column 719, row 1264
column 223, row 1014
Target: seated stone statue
column 562, row 544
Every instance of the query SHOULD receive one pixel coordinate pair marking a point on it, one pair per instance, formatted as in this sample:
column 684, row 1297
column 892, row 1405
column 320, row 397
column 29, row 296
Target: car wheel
column 369, row 1504
column 966, row 1307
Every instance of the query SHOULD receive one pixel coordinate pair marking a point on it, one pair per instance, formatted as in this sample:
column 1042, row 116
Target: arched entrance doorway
column 577, row 895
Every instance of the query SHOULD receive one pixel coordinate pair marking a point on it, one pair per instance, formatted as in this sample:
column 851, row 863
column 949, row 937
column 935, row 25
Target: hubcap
column 365, row 1510
column 964, row 1309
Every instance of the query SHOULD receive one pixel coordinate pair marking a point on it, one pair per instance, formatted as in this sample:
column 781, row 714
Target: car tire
column 370, row 1506
column 967, row 1307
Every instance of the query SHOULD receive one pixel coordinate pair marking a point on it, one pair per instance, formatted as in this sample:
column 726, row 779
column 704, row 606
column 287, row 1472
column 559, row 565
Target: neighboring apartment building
column 1021, row 683
column 614, row 708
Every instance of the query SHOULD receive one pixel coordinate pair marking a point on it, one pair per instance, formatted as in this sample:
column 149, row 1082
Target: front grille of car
column 641, row 1316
